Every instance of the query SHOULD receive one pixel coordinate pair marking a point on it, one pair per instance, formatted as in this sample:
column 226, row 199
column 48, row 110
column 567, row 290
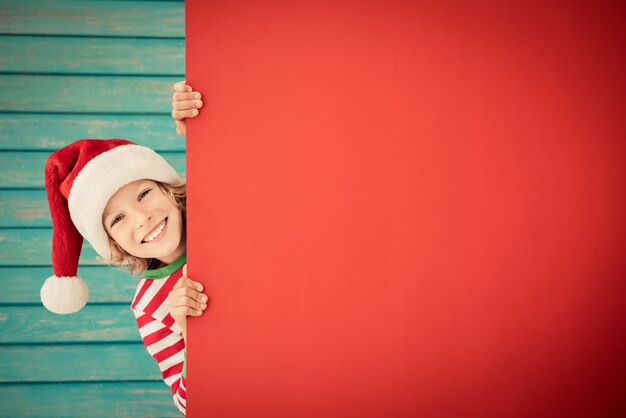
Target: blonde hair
column 135, row 265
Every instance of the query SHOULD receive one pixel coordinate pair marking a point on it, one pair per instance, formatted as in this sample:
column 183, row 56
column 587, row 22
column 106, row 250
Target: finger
column 185, row 311
column 188, row 307
column 186, row 96
column 187, row 104
column 184, row 300
column 185, row 282
column 185, row 270
column 196, row 301
column 182, row 86
column 190, row 292
column 182, row 114
column 181, row 129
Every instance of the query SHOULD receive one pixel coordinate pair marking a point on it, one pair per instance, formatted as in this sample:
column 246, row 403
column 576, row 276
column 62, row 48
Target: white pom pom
column 64, row 295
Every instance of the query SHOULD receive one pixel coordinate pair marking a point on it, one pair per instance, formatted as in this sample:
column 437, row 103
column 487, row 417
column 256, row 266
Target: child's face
column 144, row 221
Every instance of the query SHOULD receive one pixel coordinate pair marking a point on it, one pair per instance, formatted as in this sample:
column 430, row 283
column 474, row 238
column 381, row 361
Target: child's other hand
column 185, row 104
column 186, row 299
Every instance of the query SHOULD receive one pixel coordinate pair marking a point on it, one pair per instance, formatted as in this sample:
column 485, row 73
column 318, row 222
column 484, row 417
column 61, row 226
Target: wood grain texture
column 93, row 323
column 25, row 169
column 68, row 55
column 87, row 400
column 24, row 208
column 32, row 247
column 86, row 94
column 99, row 18
column 49, row 132
column 71, row 70
column 106, row 284
column 77, row 363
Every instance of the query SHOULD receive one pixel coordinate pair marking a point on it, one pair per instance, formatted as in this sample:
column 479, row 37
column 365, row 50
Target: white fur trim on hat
column 64, row 295
column 104, row 175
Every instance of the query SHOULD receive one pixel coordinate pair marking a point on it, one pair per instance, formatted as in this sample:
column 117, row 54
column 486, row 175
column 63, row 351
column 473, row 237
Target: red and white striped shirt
column 160, row 333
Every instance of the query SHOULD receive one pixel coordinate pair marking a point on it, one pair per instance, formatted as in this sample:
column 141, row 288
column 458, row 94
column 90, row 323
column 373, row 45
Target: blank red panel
column 407, row 209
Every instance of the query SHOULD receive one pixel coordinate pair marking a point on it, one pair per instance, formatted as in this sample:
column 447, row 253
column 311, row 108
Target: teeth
column 156, row 232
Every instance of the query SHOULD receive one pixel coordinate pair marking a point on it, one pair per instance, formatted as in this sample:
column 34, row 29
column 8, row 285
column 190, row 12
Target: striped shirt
column 161, row 335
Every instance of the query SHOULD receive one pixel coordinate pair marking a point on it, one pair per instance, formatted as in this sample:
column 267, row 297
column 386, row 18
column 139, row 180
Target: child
column 129, row 203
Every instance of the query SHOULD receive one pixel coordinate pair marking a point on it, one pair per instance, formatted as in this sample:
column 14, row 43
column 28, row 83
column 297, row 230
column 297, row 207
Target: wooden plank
column 88, row 400
column 94, row 323
column 74, row 363
column 32, row 247
column 68, row 55
column 24, row 208
column 85, row 94
column 48, row 132
column 106, row 284
column 25, row 169
column 105, row 18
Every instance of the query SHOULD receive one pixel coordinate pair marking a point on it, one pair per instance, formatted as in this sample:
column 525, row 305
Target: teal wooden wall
column 71, row 70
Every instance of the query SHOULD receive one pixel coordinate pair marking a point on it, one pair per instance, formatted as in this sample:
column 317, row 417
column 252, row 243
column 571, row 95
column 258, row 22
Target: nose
column 142, row 218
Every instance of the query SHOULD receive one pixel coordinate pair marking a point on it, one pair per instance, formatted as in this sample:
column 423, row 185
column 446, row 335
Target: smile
column 155, row 234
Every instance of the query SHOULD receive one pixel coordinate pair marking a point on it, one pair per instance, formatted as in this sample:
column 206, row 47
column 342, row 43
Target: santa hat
column 80, row 180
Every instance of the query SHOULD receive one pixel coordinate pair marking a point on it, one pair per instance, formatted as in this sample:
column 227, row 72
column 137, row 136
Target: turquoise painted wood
column 87, row 400
column 24, row 208
column 67, row 55
column 72, row 70
column 86, row 94
column 93, row 323
column 106, row 285
column 32, row 247
column 25, row 169
column 49, row 132
column 101, row 18
column 77, row 362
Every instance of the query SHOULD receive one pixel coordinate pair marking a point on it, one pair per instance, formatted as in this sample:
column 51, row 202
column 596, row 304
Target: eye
column 116, row 220
column 143, row 194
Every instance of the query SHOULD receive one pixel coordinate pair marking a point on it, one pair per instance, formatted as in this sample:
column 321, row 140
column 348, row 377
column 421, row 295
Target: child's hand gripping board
column 405, row 209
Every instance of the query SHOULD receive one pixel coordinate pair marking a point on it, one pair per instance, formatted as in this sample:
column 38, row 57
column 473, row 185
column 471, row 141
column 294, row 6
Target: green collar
column 166, row 270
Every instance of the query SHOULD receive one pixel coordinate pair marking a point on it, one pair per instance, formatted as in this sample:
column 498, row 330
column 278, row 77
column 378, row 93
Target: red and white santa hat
column 80, row 180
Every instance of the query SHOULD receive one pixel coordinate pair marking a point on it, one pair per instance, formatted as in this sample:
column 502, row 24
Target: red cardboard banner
column 407, row 209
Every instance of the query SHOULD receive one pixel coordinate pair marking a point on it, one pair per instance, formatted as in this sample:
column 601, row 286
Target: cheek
column 122, row 236
column 175, row 227
column 179, row 221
